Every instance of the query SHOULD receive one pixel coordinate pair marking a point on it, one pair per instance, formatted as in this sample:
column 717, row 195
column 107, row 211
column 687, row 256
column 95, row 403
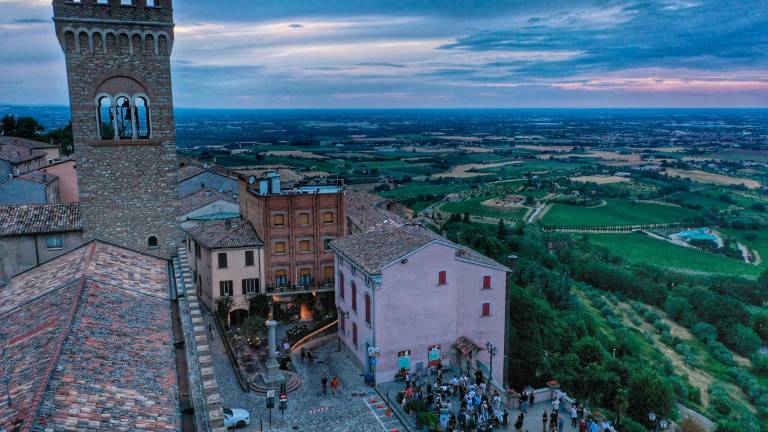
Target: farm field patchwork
column 639, row 248
column 475, row 207
column 615, row 212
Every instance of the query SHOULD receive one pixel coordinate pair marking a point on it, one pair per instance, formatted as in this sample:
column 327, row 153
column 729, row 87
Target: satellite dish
column 251, row 180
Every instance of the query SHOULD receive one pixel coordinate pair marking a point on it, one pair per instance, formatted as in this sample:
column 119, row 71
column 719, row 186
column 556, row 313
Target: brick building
column 297, row 226
column 118, row 69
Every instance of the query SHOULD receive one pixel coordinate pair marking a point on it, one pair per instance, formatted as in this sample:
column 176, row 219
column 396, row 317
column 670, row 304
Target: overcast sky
column 431, row 53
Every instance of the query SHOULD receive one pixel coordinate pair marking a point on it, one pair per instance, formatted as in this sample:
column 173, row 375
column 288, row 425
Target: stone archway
column 237, row 316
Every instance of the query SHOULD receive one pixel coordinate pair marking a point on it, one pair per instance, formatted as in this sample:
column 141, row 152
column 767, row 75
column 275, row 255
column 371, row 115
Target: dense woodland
column 561, row 326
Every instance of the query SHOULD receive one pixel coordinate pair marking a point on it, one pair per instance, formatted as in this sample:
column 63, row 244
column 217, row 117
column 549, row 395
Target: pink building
column 413, row 299
column 66, row 171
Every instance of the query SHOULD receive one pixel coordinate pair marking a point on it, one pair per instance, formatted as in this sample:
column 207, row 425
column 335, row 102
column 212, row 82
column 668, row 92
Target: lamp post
column 492, row 351
column 339, row 315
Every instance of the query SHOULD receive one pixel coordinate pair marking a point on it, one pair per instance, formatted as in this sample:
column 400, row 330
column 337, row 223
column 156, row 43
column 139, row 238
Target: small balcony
column 304, row 285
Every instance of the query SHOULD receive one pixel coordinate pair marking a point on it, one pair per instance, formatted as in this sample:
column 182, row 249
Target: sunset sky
column 429, row 53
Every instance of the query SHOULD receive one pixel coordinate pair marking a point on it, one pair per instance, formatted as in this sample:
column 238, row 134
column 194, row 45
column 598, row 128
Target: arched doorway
column 237, row 316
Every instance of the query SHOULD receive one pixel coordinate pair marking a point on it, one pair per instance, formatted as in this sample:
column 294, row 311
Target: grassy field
column 752, row 239
column 640, row 248
column 616, row 212
column 474, row 207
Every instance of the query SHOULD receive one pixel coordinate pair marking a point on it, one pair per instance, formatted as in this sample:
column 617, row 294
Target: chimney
column 512, row 262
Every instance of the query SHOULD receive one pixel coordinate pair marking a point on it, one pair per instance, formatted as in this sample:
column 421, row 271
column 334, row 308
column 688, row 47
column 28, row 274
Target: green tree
column 648, row 391
column 502, row 230
column 28, row 127
column 63, row 137
column 760, row 324
column 8, row 125
column 223, row 307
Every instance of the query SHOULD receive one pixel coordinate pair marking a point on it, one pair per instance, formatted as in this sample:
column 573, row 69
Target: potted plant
column 429, row 420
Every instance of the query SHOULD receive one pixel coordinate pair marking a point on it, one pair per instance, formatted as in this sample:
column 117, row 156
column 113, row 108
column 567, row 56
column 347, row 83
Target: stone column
column 273, row 374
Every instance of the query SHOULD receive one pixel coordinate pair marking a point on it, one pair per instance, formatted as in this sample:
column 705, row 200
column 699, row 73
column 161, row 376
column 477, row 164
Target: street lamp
column 492, row 351
column 339, row 315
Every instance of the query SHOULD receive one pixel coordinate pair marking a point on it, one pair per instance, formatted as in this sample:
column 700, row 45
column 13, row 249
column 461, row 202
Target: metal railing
column 303, row 286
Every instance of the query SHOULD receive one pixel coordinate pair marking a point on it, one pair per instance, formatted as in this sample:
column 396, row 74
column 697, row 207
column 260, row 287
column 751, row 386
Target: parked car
column 236, row 417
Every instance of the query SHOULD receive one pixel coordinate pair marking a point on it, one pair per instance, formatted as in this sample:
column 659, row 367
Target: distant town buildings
column 227, row 261
column 366, row 211
column 208, row 205
column 34, row 187
column 16, row 160
column 195, row 178
column 33, row 234
column 412, row 299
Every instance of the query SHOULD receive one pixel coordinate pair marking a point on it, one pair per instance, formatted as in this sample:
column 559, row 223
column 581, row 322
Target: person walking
column 582, row 425
column 560, row 424
column 524, row 401
column 531, row 398
column 334, row 385
column 505, row 419
column 324, row 381
column 544, row 418
column 574, row 416
column 519, row 423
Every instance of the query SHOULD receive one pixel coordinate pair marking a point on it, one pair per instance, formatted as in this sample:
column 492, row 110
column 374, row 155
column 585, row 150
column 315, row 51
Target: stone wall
column 128, row 187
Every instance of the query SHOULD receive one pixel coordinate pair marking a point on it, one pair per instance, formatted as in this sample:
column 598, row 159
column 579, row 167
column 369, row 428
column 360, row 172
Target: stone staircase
column 292, row 383
column 197, row 342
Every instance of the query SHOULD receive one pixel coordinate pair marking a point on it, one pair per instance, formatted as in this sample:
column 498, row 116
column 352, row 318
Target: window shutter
column 486, row 309
column 441, row 278
column 486, row 282
column 245, row 284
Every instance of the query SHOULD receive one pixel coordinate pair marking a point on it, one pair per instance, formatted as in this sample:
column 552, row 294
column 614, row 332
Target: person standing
column 574, row 416
column 555, row 405
column 505, row 419
column 324, row 382
column 531, row 398
column 582, row 425
column 560, row 424
column 519, row 423
column 334, row 385
column 544, row 418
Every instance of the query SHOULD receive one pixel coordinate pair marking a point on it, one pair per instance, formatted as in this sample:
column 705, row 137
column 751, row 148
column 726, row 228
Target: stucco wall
column 19, row 253
column 5, row 171
column 67, row 174
column 412, row 312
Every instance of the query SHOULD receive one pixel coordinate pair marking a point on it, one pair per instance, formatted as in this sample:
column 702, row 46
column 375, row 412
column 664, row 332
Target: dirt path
column 758, row 259
column 744, row 252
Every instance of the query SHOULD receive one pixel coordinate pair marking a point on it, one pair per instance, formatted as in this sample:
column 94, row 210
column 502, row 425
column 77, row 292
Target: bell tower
column 119, row 76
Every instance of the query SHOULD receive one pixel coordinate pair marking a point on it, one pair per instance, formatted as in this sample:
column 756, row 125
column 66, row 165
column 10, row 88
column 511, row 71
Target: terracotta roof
column 39, row 218
column 88, row 344
column 25, row 142
column 368, row 211
column 39, row 177
column 374, row 249
column 16, row 153
column 219, row 236
column 202, row 198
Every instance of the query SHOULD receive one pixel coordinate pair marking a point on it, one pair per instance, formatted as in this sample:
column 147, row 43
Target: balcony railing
column 303, row 286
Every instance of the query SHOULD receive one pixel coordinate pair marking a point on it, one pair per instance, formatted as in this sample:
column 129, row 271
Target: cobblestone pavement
column 308, row 409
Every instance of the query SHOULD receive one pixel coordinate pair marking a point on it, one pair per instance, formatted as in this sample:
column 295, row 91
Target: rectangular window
column 327, row 244
column 486, row 309
column 279, row 247
column 151, row 3
column 354, row 334
column 328, row 217
column 305, row 277
column 304, row 245
column 249, row 261
column 222, row 260
column 250, row 286
column 441, row 278
column 281, row 278
column 225, row 288
column 198, row 253
column 328, row 273
column 343, row 323
column 278, row 220
column 54, row 242
column 303, row 218
column 486, row 282
column 354, row 296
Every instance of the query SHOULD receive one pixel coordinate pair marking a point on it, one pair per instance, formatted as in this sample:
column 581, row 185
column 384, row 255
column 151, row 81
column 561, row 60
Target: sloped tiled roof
column 368, row 211
column 25, row 142
column 15, row 153
column 218, row 236
column 202, row 198
column 39, row 177
column 374, row 249
column 39, row 218
column 89, row 345
column 189, row 171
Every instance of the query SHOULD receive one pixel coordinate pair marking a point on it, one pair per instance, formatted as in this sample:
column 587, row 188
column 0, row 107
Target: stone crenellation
column 118, row 70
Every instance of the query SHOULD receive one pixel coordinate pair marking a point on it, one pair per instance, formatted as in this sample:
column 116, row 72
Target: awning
column 467, row 345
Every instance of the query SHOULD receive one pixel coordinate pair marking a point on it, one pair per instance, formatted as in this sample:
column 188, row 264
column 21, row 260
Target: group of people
column 335, row 382
column 562, row 410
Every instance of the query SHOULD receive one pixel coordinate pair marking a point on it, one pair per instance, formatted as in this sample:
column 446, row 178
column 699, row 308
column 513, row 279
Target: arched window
column 124, row 118
column 141, row 114
column 106, row 122
column 152, row 242
column 367, row 308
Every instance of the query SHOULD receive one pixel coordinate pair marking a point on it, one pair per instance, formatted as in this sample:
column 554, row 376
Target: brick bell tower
column 119, row 74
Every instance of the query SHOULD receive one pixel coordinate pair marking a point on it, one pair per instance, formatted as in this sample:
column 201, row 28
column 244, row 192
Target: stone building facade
column 118, row 68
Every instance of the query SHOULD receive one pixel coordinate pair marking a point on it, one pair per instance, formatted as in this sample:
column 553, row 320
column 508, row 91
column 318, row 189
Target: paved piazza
column 308, row 409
